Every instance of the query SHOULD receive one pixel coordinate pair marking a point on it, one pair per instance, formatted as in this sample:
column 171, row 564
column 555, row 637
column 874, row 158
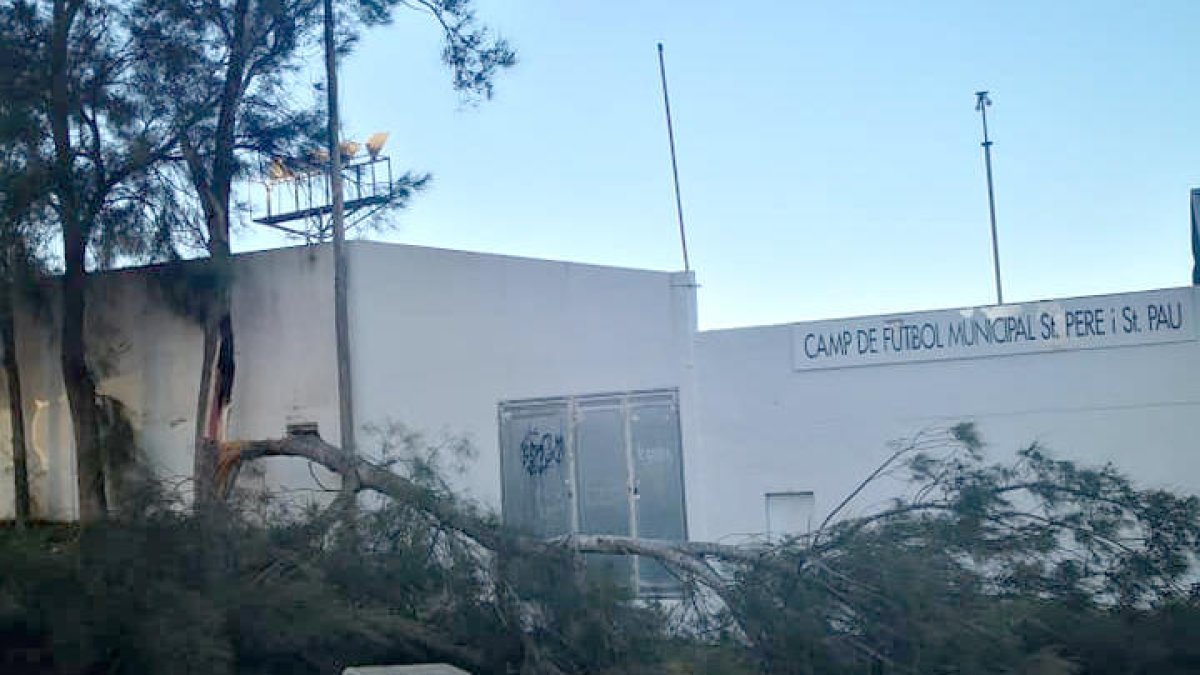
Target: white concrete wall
column 441, row 337
column 285, row 356
column 141, row 352
column 47, row 420
column 765, row 426
column 147, row 354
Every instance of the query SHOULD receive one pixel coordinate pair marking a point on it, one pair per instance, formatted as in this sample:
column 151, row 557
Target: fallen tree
column 1034, row 565
column 991, row 545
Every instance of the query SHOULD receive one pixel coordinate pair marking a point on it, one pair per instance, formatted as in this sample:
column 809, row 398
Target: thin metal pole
column 662, row 71
column 1196, row 236
column 982, row 103
column 341, row 314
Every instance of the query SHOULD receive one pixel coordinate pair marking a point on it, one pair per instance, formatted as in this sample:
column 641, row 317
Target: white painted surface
column 286, row 371
column 147, row 354
column 141, row 352
column 789, row 514
column 766, row 427
column 48, row 434
column 439, row 338
column 442, row 337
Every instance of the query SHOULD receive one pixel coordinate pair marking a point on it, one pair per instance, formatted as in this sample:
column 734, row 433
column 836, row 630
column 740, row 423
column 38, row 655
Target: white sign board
column 1077, row 323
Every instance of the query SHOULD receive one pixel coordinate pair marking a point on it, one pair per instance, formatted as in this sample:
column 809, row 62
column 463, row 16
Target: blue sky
column 828, row 152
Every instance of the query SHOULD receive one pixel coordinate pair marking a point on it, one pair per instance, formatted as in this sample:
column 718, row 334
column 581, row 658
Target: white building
column 812, row 406
column 592, row 401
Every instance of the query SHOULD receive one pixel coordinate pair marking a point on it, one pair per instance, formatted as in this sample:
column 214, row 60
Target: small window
column 789, row 514
column 597, row 464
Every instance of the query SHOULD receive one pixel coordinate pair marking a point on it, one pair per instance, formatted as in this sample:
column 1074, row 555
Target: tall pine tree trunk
column 77, row 378
column 16, row 411
column 214, row 184
column 79, row 383
column 216, row 377
column 216, row 389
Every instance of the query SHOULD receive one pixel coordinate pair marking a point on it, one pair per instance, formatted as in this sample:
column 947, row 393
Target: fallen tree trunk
column 362, row 475
column 859, row 591
column 686, row 559
column 689, row 558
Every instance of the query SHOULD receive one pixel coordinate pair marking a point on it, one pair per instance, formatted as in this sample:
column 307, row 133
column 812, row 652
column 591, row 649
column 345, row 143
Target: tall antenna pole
column 341, row 316
column 662, row 71
column 981, row 104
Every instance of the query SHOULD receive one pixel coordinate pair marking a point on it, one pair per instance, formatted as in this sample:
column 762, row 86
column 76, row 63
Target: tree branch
column 688, row 557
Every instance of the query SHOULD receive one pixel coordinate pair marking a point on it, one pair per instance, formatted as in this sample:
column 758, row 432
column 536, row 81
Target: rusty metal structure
column 298, row 198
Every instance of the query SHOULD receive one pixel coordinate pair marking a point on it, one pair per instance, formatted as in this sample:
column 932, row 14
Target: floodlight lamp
column 348, row 149
column 277, row 171
column 375, row 143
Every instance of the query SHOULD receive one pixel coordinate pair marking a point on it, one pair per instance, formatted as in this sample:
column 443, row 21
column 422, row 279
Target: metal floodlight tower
column 982, row 101
column 299, row 188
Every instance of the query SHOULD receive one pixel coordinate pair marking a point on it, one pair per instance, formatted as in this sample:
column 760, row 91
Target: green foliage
column 23, row 174
column 1038, row 566
column 1026, row 566
column 104, row 179
column 225, row 75
column 165, row 591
